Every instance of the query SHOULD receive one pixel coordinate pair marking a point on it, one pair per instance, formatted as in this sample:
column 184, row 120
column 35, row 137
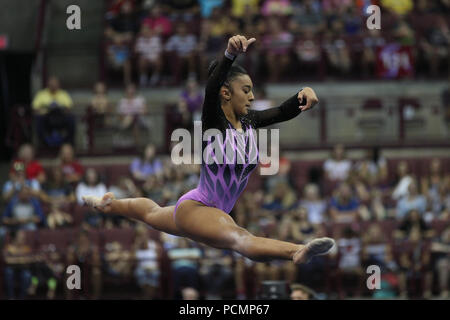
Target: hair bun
column 212, row 66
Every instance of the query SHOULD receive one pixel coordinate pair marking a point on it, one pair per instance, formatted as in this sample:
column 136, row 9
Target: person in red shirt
column 33, row 168
column 71, row 168
column 157, row 21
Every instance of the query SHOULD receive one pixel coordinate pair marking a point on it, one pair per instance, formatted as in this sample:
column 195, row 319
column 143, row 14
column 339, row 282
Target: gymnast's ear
column 225, row 93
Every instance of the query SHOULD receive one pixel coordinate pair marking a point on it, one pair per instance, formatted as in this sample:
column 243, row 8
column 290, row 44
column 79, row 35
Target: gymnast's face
column 241, row 94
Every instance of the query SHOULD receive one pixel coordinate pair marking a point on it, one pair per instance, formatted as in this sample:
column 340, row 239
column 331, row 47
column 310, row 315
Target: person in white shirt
column 338, row 167
column 149, row 48
column 91, row 186
column 183, row 44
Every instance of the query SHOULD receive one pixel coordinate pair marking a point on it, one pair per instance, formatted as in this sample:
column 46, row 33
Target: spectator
column 344, row 207
column 308, row 51
column 17, row 180
column 183, row 44
column 120, row 32
column 191, row 100
column 86, row 255
column 337, row 168
column 147, row 165
column 149, row 48
column 440, row 249
column 350, row 264
column 17, row 255
column 72, row 170
column 314, row 204
column 412, row 227
column 55, row 123
column 100, row 103
column 276, row 8
column 412, row 201
column 189, row 293
column 57, row 190
column 404, row 34
column 185, row 265
column 132, row 108
column 158, row 22
column 301, row 292
column 23, row 212
column 217, row 273
column 183, row 10
column 282, row 198
column 125, row 188
column 297, row 228
column 33, row 168
column 90, row 186
column 399, row 7
column 307, row 15
column 277, row 44
column 118, row 260
column 57, row 218
column 148, row 254
column 403, row 180
column 371, row 42
column 377, row 250
column 336, row 49
column 242, row 8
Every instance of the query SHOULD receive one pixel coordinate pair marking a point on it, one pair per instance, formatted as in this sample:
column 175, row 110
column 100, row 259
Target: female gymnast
column 202, row 214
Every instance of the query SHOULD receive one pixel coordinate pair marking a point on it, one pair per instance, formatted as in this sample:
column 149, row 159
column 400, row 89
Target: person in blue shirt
column 344, row 206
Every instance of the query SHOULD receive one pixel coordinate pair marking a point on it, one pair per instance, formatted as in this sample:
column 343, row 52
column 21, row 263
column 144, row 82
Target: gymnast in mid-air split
column 202, row 214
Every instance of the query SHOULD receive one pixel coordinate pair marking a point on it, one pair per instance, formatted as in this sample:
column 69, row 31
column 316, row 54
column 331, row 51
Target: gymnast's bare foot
column 316, row 247
column 102, row 204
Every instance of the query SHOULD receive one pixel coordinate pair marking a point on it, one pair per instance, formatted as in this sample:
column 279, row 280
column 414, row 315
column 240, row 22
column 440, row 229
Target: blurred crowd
column 394, row 217
column 155, row 42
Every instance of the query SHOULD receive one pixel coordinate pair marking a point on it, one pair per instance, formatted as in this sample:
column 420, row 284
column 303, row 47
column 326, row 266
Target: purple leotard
column 224, row 176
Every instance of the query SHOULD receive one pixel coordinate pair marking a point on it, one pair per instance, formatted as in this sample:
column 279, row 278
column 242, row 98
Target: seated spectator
column 149, row 47
column 371, row 42
column 55, row 122
column 72, row 170
column 284, row 176
column 297, row 228
column 277, row 45
column 56, row 190
column 403, row 180
column 314, row 204
column 118, row 260
column 120, row 32
column 184, row 45
column 308, row 51
column 412, row 201
column 17, row 181
column 158, row 22
column 337, row 168
column 399, row 7
column 17, row 256
column 86, row 255
column 413, row 226
column 57, row 218
column 33, row 168
column 190, row 101
column 344, row 206
column 242, row 8
column 90, row 186
column 23, row 212
column 372, row 167
column 403, row 33
column 184, row 10
column 440, row 249
column 217, row 273
column 377, row 250
column 125, row 188
column 100, row 103
column 276, row 7
column 147, row 165
column 282, row 198
column 48, row 272
column 185, row 265
column 189, row 293
column 336, row 50
column 301, row 292
column 307, row 16
column 350, row 264
column 148, row 254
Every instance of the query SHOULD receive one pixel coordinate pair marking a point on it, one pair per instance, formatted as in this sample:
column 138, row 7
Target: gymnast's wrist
column 229, row 55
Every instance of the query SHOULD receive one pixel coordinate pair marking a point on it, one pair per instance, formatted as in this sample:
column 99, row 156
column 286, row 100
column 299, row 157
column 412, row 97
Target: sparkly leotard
column 224, row 175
